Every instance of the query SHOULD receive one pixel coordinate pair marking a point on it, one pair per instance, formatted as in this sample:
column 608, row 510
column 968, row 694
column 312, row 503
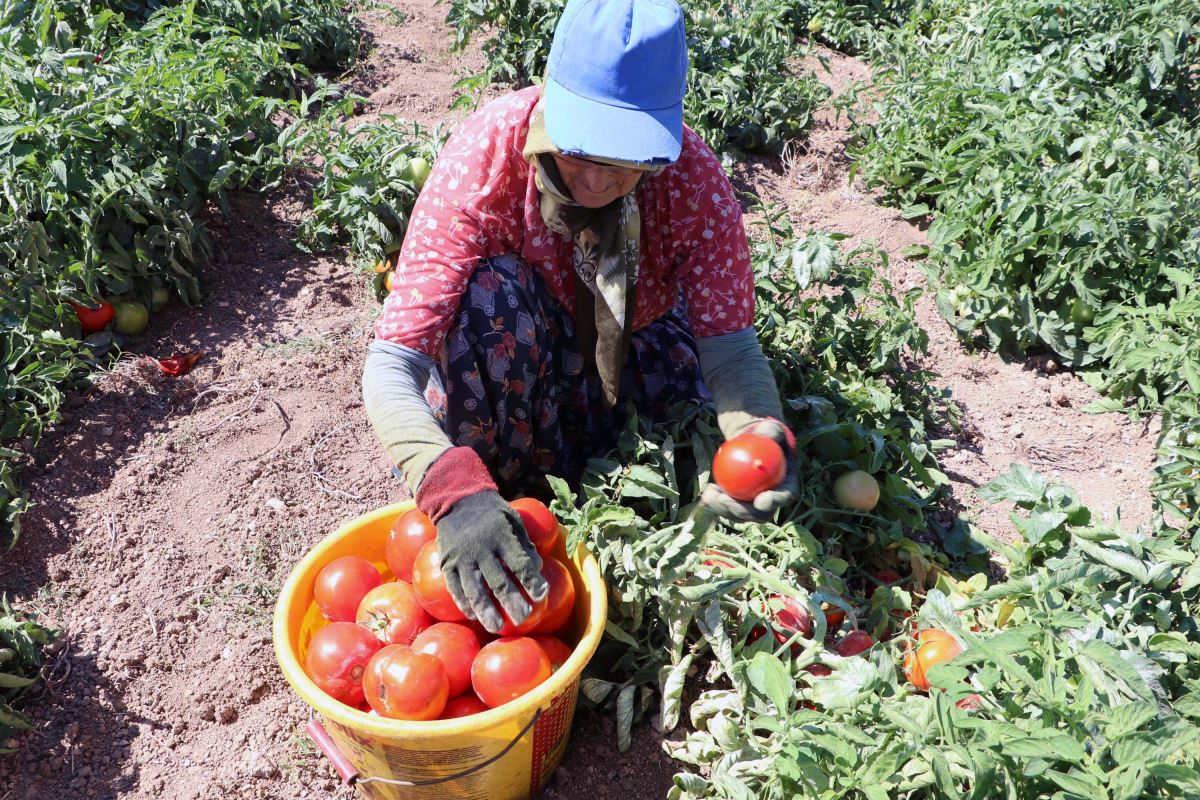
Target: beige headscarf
column 606, row 256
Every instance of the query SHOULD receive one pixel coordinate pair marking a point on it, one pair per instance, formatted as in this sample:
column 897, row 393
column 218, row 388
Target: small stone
column 118, row 603
column 133, row 657
column 275, row 504
column 60, row 574
column 226, row 715
column 1016, row 431
column 208, row 712
column 106, row 431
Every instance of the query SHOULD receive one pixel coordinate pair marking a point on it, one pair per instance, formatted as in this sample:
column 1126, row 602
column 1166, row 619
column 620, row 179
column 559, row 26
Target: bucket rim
column 286, row 651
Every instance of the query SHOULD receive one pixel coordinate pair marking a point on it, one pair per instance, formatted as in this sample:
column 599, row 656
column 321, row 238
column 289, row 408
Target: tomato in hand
column 430, row 585
column 556, row 649
column 537, row 611
column 401, row 684
column 853, row 643
column 540, row 524
column 933, row 647
column 94, row 320
column 455, row 646
column 342, row 584
column 337, row 658
column 508, row 668
column 560, row 600
column 463, row 706
column 747, row 465
column 392, row 613
column 408, row 535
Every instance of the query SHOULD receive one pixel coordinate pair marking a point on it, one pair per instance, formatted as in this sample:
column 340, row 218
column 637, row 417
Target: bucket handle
column 326, row 745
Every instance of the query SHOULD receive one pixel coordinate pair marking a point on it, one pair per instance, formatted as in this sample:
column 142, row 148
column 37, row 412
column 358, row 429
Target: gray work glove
column 763, row 507
column 483, row 547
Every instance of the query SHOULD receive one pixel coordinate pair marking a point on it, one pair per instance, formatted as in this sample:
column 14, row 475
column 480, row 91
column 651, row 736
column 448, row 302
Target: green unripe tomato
column 816, row 25
column 1081, row 312
column 417, row 170
column 132, row 318
column 160, row 296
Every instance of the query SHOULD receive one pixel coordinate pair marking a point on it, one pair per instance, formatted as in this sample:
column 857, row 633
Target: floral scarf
column 606, row 257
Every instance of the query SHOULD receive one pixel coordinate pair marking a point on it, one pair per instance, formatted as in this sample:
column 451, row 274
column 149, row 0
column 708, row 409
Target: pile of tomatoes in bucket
column 402, row 649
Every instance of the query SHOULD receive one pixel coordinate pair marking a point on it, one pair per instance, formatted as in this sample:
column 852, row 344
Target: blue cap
column 615, row 80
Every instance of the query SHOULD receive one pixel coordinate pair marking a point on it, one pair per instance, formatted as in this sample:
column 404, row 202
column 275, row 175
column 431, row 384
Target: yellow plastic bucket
column 504, row 753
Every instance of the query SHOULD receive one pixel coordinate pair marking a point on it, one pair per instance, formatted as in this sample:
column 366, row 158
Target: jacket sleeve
column 394, row 381
column 739, row 377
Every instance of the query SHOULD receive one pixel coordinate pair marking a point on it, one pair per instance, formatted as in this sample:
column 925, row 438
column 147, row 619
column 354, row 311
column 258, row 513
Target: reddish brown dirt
column 169, row 510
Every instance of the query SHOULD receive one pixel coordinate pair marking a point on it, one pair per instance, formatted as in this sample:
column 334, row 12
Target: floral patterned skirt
column 516, row 389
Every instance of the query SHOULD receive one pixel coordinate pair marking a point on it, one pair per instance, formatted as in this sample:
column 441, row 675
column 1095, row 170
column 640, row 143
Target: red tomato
column 401, row 684
column 560, row 600
column 410, row 533
column 834, row 617
column 556, row 649
column 94, row 320
column 853, row 643
column 537, row 612
column 747, row 465
column 885, row 577
column 337, row 658
column 792, row 618
column 455, row 646
column 342, row 584
column 463, row 706
column 430, row 586
column 971, row 702
column 392, row 613
column 820, row 670
column 714, row 560
column 933, row 647
column 508, row 668
column 540, row 524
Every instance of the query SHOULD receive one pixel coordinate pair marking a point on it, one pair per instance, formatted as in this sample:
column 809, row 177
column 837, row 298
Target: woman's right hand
column 483, row 546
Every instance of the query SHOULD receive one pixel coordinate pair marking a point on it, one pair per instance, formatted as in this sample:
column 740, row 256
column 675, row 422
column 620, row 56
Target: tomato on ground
column 540, row 524
column 430, row 585
column 856, row 490
column 792, row 618
column 933, row 647
column 853, row 643
column 455, row 646
column 834, row 617
column 337, row 658
column 556, row 649
column 401, row 684
column 463, row 706
column 411, row 531
column 342, row 584
column 94, row 320
column 391, row 611
column 884, row 577
column 747, row 465
column 508, row 668
column 560, row 599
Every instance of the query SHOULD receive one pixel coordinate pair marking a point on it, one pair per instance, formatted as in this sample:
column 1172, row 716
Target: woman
column 575, row 249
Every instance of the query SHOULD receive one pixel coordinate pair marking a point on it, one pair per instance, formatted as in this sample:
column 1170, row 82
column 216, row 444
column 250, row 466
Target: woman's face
column 595, row 185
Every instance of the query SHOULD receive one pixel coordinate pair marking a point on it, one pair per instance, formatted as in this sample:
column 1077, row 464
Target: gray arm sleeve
column 739, row 377
column 394, row 380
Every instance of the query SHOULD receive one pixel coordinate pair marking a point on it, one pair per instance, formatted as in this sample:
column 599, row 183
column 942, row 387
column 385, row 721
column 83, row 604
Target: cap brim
column 579, row 126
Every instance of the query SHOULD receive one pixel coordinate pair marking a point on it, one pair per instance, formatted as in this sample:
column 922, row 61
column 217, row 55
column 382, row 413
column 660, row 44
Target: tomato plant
column 391, row 611
column 430, row 585
column 556, row 649
column 342, row 584
column 508, row 668
column 749, row 464
column 337, row 659
column 560, row 599
column 540, row 524
column 402, row 684
column 411, row 531
column 455, row 646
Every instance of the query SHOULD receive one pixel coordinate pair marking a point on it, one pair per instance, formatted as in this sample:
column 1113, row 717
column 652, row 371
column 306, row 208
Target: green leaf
column 1020, row 485
column 771, row 679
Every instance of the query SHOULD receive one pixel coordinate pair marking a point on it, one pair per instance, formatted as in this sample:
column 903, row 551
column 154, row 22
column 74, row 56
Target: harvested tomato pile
column 402, row 649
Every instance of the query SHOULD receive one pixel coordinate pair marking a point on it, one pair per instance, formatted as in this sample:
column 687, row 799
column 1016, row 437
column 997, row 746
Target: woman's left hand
column 764, row 506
